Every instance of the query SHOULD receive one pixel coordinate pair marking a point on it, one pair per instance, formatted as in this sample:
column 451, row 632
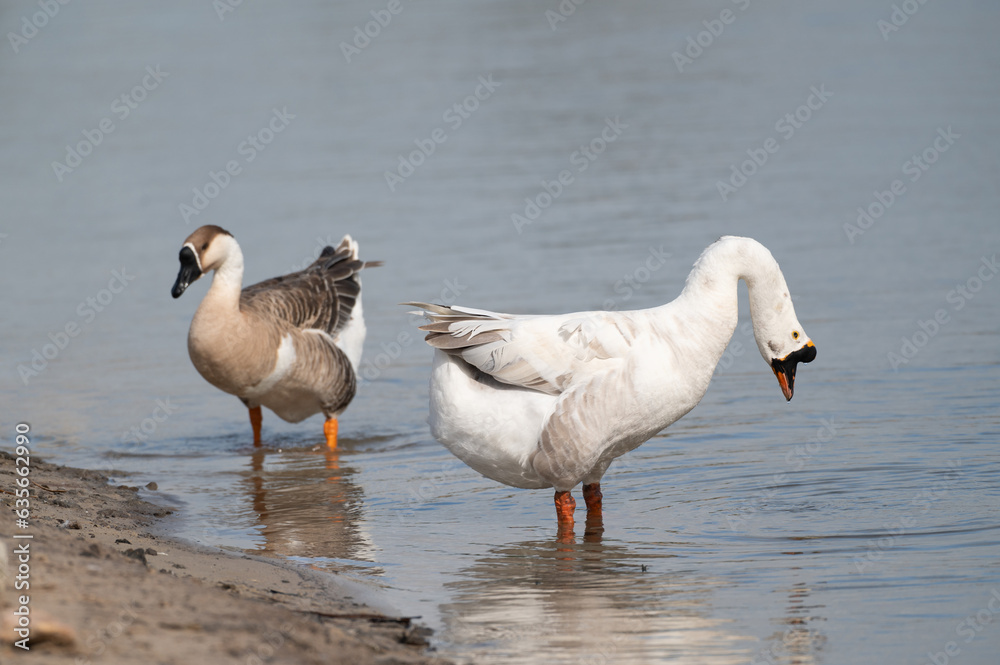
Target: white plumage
column 551, row 401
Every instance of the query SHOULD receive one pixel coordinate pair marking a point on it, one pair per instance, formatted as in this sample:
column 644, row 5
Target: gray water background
column 857, row 523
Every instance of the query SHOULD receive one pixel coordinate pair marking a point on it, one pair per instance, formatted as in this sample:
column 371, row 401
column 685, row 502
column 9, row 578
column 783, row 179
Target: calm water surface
column 857, row 524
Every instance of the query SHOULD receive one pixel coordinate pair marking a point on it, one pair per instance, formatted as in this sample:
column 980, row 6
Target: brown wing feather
column 320, row 296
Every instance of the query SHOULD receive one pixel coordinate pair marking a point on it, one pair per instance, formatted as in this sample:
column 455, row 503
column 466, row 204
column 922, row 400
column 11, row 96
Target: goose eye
column 795, row 334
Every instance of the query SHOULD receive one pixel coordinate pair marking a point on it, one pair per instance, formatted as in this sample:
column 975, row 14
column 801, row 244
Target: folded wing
column 320, row 297
column 543, row 353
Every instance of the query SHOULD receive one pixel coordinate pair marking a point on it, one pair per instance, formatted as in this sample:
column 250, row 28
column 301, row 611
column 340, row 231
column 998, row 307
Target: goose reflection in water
column 553, row 600
column 557, row 598
column 306, row 504
column 797, row 638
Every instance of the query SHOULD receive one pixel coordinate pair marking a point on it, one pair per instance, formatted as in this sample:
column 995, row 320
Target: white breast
column 284, row 363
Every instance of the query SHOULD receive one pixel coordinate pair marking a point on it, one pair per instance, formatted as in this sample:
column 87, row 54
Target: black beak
column 784, row 368
column 190, row 272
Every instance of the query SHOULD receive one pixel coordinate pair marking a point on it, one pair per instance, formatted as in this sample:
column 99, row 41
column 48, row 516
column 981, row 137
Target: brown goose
column 291, row 343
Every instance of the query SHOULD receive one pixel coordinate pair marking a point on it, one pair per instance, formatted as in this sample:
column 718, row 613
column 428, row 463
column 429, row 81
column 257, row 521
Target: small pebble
column 136, row 554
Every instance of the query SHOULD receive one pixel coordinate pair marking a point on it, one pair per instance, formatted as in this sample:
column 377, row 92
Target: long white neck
column 709, row 299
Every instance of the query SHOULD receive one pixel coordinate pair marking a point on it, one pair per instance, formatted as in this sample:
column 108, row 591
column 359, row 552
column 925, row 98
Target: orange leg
column 565, row 536
column 330, row 430
column 565, row 505
column 592, row 495
column 595, row 519
column 255, row 420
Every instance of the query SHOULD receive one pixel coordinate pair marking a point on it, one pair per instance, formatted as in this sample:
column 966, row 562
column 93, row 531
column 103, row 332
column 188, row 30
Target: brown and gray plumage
column 291, row 343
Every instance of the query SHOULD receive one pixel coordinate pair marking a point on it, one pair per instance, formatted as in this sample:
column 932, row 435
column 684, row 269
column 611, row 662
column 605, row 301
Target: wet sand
column 104, row 587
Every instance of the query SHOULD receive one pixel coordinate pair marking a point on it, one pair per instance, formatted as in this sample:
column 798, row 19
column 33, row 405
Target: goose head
column 205, row 250
column 784, row 367
column 782, row 340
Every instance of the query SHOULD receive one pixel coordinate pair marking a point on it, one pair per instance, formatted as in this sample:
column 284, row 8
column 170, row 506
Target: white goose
column 551, row 401
column 291, row 343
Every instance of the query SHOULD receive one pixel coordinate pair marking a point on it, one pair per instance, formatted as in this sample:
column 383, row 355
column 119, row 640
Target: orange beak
column 784, row 368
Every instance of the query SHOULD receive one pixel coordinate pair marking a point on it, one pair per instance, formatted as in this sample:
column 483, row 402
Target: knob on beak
column 189, row 272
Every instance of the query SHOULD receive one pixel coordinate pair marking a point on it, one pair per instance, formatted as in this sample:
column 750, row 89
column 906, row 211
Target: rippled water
column 859, row 523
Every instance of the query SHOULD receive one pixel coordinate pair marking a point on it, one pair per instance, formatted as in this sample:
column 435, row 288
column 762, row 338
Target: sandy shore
column 104, row 588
